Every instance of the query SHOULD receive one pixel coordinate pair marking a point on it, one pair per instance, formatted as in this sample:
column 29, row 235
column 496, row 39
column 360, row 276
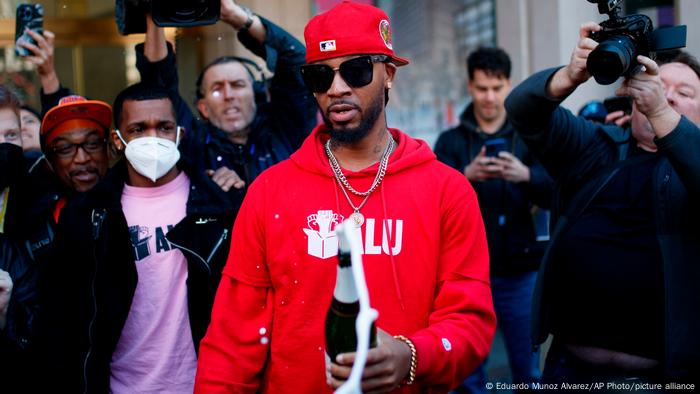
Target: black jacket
column 87, row 292
column 36, row 226
column 505, row 206
column 27, row 240
column 280, row 124
column 581, row 156
column 16, row 339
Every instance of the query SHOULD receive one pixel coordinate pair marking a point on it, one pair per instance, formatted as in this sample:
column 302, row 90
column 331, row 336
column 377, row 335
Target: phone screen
column 29, row 16
column 623, row 103
column 494, row 146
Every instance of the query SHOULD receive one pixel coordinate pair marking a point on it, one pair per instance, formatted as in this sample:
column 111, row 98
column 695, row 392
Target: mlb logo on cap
column 327, row 46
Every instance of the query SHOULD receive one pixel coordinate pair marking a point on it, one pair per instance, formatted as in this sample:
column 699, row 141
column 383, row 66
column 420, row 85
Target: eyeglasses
column 356, row 72
column 68, row 151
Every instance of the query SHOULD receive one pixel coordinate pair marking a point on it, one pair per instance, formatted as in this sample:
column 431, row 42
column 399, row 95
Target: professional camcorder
column 623, row 38
column 131, row 14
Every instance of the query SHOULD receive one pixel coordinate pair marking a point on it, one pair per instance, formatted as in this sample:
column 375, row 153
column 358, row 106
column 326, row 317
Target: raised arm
column 558, row 138
column 241, row 18
column 291, row 104
column 42, row 57
column 568, row 78
column 156, row 63
column 155, row 46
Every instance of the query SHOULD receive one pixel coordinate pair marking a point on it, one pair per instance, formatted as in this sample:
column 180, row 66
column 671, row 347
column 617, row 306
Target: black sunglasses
column 356, row 72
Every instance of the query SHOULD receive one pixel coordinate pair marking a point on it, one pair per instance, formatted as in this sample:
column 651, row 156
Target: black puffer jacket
column 505, row 206
column 87, row 293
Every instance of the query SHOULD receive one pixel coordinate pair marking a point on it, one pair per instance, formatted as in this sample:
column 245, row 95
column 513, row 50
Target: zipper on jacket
column 97, row 220
column 192, row 252
column 221, row 240
column 665, row 182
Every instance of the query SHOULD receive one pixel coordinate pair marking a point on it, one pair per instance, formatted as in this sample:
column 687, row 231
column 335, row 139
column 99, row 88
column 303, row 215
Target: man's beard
column 352, row 135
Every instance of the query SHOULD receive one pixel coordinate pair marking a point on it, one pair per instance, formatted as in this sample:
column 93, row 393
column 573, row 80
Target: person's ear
column 470, row 87
column 389, row 72
column 116, row 140
column 203, row 109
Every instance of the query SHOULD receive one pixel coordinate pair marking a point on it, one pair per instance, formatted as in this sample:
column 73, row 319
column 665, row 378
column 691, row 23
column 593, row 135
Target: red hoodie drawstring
column 391, row 250
column 395, row 275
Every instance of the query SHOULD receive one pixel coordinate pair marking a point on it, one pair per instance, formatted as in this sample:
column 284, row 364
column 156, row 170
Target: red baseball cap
column 79, row 111
column 349, row 29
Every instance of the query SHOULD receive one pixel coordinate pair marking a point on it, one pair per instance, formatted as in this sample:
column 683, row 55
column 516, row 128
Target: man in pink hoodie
column 424, row 246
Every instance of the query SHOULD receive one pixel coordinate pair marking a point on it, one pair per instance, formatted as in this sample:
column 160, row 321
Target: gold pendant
column 357, row 219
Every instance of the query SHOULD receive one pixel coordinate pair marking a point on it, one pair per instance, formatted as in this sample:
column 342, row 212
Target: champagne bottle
column 345, row 306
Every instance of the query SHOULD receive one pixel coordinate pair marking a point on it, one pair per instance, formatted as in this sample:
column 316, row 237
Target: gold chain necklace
column 357, row 218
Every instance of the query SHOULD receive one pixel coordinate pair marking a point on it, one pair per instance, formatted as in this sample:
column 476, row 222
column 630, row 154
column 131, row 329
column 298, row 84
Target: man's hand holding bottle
column 387, row 366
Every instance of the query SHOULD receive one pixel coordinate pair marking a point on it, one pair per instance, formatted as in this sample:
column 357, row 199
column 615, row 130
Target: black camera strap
column 578, row 205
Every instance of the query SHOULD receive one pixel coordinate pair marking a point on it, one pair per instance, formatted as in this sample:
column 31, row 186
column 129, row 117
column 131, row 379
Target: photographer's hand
column 567, row 79
column 649, row 96
column 42, row 58
column 619, row 118
column 236, row 16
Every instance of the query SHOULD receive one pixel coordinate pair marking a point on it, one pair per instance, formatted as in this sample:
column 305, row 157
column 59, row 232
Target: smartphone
column 618, row 103
column 494, row 146
column 29, row 16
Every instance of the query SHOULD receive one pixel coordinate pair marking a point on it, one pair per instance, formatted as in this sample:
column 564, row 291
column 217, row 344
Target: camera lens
column 611, row 59
column 187, row 10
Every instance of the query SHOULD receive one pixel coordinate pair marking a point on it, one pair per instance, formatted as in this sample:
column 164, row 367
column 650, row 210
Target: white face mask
column 152, row 157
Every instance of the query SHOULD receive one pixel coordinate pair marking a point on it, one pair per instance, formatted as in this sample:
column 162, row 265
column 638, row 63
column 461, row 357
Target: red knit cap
column 349, row 29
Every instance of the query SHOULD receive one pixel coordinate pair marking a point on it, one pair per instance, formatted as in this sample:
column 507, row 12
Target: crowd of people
column 148, row 248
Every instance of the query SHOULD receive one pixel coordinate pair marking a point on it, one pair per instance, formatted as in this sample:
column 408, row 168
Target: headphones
column 260, row 85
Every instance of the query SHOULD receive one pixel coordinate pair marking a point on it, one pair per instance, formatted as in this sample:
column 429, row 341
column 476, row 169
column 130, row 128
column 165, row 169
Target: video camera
column 131, row 14
column 623, row 38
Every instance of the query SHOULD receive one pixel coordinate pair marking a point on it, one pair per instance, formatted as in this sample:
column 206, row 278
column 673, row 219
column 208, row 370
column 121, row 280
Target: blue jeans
column 512, row 300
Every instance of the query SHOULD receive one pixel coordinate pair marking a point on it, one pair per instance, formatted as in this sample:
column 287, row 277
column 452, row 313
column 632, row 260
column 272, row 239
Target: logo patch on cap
column 71, row 99
column 385, row 33
column 327, row 46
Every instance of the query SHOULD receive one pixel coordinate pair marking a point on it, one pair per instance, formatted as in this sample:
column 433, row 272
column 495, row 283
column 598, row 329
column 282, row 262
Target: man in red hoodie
column 425, row 252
